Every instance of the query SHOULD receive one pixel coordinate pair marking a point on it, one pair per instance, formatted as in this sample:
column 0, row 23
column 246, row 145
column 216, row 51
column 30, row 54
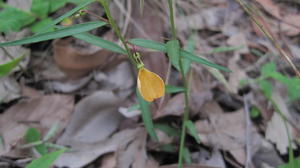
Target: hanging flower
column 150, row 85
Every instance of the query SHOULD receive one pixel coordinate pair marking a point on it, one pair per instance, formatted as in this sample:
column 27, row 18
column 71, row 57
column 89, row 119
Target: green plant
column 179, row 58
column 14, row 19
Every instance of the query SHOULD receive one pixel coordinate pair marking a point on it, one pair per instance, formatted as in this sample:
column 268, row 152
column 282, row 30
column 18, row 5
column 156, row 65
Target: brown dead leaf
column 95, row 119
column 134, row 155
column 276, row 129
column 227, row 131
column 40, row 112
column 289, row 24
column 204, row 157
column 76, row 63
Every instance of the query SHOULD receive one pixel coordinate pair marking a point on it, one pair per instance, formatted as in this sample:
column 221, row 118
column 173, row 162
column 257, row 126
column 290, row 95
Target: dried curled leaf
column 150, row 85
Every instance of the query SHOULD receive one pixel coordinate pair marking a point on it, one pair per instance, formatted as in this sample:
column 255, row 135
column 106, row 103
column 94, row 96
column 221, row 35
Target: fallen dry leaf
column 187, row 166
column 227, row 131
column 89, row 132
column 289, row 23
column 276, row 130
column 214, row 159
column 40, row 112
column 78, row 62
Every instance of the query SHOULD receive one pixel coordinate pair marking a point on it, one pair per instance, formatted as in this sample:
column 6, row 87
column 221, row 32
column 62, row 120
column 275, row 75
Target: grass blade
column 68, row 14
column 97, row 41
column 45, row 161
column 149, row 44
column 63, row 32
column 9, row 66
column 192, row 130
column 173, row 89
column 185, row 54
column 146, row 116
column 201, row 60
column 173, row 48
column 225, row 49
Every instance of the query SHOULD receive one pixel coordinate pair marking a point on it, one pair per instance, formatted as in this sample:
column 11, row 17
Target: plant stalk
column 186, row 95
column 116, row 29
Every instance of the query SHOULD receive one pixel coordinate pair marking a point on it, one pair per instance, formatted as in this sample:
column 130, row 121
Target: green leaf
column 292, row 164
column 187, row 156
column 190, row 47
column 162, row 47
column 173, row 48
column 268, row 69
column 134, row 107
column 225, row 49
column 254, row 112
column 203, row 61
column 33, row 135
column 146, row 116
column 45, row 161
column 167, row 148
column 173, row 89
column 63, row 32
column 13, row 19
column 97, row 41
column 56, row 4
column 167, row 129
column 149, row 44
column 6, row 68
column 66, row 15
column 266, row 88
column 192, row 130
column 38, row 26
column 51, row 132
column 40, row 8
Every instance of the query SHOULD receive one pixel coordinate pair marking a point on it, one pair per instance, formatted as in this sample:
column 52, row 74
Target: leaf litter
column 90, row 91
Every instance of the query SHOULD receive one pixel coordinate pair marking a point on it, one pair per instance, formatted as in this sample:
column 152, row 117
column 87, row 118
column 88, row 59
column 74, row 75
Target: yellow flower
column 150, row 85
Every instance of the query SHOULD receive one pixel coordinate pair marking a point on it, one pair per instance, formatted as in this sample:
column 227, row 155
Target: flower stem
column 116, row 29
column 186, row 91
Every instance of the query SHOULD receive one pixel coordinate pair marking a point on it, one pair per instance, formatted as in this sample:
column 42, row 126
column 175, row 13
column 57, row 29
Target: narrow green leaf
column 38, row 26
column 45, row 161
column 167, row 148
column 33, row 135
column 173, row 89
column 225, row 49
column 63, row 32
column 201, row 60
column 97, row 41
column 6, row 68
column 167, row 129
column 187, row 156
column 192, row 130
column 173, row 48
column 190, row 47
column 51, row 131
column 149, row 44
column 68, row 14
column 146, row 116
column 187, row 55
column 134, row 107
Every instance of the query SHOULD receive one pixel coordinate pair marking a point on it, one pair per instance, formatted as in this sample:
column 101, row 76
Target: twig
column 248, row 132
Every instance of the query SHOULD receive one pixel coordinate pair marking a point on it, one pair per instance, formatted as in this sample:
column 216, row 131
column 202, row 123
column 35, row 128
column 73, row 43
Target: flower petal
column 150, row 85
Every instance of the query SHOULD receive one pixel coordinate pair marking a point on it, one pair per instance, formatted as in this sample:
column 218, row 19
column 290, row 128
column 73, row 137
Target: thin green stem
column 186, row 91
column 116, row 29
column 172, row 19
column 185, row 115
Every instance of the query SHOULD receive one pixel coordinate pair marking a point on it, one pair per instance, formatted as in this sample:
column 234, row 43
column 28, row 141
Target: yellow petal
column 150, row 85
